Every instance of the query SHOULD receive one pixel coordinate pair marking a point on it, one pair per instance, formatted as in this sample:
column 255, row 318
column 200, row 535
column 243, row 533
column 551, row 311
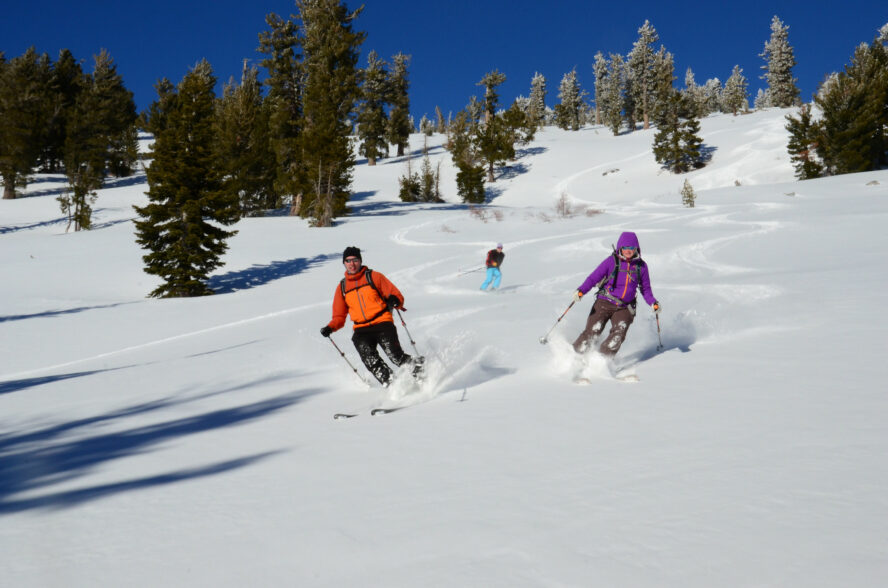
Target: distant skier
column 494, row 261
column 617, row 278
column 368, row 297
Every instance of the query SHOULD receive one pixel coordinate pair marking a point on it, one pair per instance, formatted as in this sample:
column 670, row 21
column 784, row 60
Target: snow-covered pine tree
column 688, row 197
column 779, row 58
column 762, row 100
column 180, row 224
column 712, row 96
column 440, row 125
column 426, row 126
column 610, row 94
column 693, row 94
column 331, row 51
column 642, row 63
column 537, row 106
column 243, row 148
column 400, row 122
column 600, row 70
column 569, row 113
column 734, row 97
column 372, row 118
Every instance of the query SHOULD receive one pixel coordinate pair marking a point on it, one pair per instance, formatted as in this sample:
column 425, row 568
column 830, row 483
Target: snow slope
column 190, row 442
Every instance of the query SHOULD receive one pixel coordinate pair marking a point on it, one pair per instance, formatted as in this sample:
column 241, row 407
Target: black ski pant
column 367, row 339
column 620, row 318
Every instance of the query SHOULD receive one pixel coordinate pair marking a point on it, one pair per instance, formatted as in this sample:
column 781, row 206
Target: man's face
column 352, row 264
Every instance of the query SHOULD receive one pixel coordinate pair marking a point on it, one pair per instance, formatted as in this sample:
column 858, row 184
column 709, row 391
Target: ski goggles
column 629, row 247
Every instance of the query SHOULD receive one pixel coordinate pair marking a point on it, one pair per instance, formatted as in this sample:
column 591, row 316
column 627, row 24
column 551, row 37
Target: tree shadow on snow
column 259, row 275
column 54, row 313
column 36, row 460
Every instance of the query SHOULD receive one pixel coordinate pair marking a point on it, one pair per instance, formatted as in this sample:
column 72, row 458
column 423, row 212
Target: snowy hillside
column 191, row 442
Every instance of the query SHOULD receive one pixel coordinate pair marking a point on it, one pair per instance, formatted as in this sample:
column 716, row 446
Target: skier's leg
column 488, row 278
column 388, row 340
column 594, row 324
column 497, row 276
column 365, row 342
column 620, row 322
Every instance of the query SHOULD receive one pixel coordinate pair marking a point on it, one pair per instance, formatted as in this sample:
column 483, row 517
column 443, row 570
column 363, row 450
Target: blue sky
column 453, row 43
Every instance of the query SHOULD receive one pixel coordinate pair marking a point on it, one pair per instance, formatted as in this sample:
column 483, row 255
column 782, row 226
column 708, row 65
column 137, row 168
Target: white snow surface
column 190, row 442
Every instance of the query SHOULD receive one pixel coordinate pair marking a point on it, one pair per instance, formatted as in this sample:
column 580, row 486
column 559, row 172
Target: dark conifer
column 243, row 147
column 25, row 112
column 400, row 126
column 180, row 224
column 677, row 146
column 372, row 118
column 330, row 48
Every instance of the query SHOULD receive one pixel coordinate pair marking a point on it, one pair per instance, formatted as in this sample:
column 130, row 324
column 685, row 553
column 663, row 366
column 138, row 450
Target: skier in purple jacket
column 617, row 278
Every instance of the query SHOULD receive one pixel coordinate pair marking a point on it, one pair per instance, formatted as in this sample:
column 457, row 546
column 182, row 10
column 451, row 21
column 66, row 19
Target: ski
column 343, row 415
column 377, row 411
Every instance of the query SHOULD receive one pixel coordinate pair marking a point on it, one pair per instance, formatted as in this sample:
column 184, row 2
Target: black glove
column 326, row 331
column 392, row 302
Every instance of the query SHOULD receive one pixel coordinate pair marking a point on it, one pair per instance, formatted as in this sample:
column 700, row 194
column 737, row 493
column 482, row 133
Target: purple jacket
column 631, row 276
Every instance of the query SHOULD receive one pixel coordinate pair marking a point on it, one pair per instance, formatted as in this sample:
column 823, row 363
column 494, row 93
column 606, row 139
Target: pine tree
column 180, row 224
column 803, row 137
column 663, row 86
column 782, row 91
column 25, row 103
column 85, row 152
column 118, row 116
column 330, row 48
column 67, row 82
column 600, row 69
column 677, row 145
column 426, row 126
column 688, row 197
column 470, row 174
column 854, row 105
column 610, row 94
column 243, row 148
column 492, row 137
column 372, row 118
column 734, row 96
column 569, row 113
column 643, row 65
column 712, row 96
column 440, row 125
column 400, row 123
column 286, row 85
column 537, row 105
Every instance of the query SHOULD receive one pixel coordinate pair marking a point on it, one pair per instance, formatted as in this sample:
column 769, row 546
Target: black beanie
column 351, row 252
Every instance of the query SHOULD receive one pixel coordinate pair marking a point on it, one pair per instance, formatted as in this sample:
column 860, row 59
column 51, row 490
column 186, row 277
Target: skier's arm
column 605, row 268
column 340, row 310
column 386, row 288
column 645, row 286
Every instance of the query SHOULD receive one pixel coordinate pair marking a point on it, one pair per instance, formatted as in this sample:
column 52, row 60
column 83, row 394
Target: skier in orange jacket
column 368, row 297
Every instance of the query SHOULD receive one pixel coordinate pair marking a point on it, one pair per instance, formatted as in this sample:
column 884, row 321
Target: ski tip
column 342, row 415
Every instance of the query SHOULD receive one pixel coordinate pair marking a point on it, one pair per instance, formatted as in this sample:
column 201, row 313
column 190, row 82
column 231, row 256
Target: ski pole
column 471, row 271
column 660, row 346
column 406, row 330
column 545, row 338
column 347, row 361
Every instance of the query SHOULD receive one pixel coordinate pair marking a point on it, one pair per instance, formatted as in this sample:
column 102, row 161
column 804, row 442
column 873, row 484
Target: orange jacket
column 361, row 302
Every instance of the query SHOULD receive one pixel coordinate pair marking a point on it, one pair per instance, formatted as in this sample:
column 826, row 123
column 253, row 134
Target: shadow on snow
column 259, row 275
column 37, row 460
